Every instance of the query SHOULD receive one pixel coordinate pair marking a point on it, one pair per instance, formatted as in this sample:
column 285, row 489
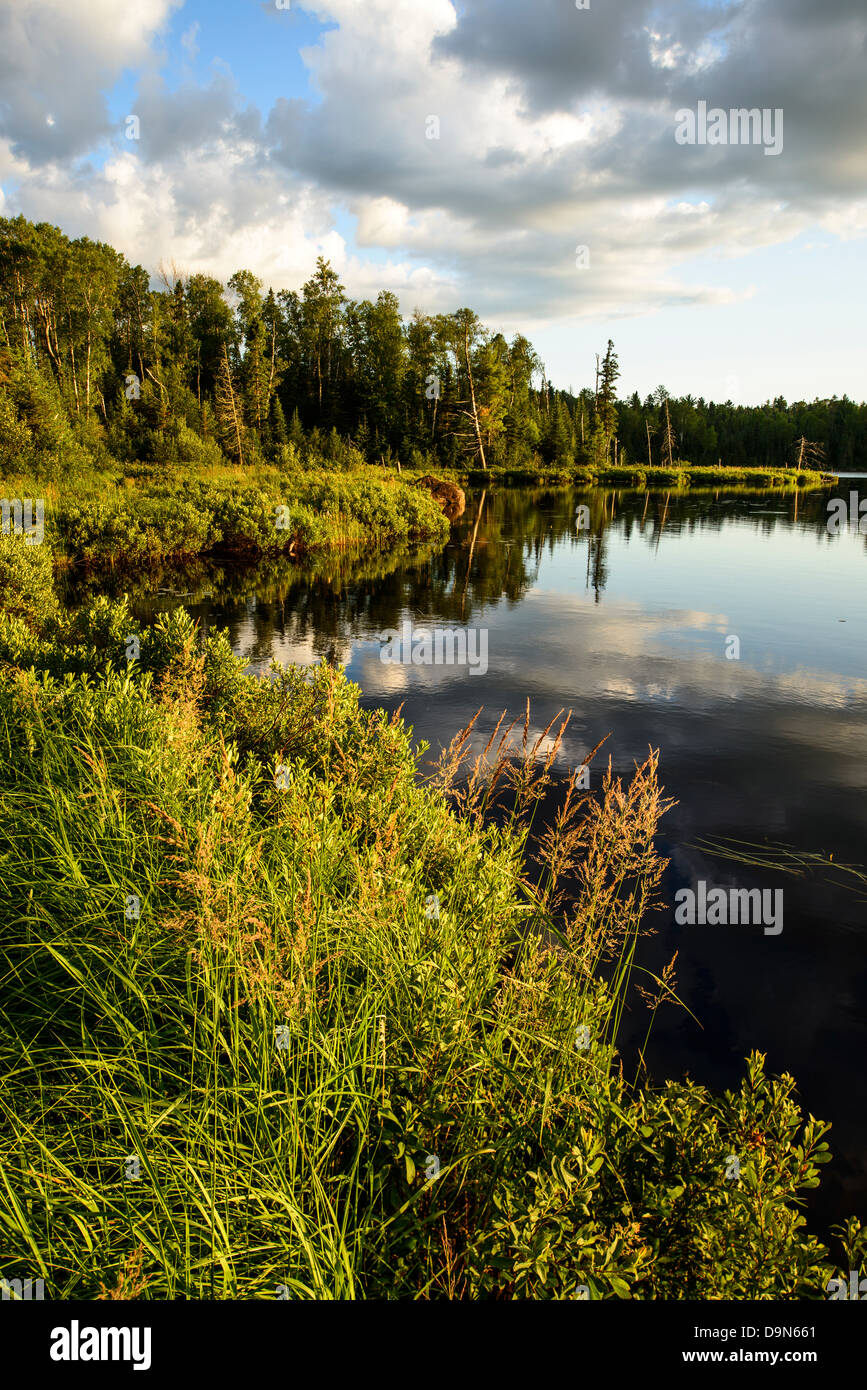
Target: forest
column 98, row 369
column 237, row 1047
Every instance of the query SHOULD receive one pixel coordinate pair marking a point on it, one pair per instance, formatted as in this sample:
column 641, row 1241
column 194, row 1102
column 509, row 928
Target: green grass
column 682, row 474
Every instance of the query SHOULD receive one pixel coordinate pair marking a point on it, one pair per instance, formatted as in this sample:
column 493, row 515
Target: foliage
column 234, row 1033
column 97, row 369
column 202, row 517
column 26, row 588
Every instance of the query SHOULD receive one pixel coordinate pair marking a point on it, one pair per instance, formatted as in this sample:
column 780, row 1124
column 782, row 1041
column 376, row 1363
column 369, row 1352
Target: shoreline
column 236, row 516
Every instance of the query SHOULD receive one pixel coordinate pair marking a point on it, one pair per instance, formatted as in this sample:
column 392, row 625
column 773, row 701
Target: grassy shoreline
column 681, row 475
column 117, row 520
column 111, row 520
column 256, row 978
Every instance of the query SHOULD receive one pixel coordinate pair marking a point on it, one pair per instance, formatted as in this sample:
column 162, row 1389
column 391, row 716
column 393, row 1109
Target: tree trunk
column 230, row 390
column 74, row 377
column 473, row 400
column 473, row 546
column 273, row 356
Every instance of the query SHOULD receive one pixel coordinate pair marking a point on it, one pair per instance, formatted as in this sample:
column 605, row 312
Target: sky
column 461, row 153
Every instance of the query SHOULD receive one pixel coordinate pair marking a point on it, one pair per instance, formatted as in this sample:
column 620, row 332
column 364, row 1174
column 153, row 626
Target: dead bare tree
column 668, row 438
column 809, row 452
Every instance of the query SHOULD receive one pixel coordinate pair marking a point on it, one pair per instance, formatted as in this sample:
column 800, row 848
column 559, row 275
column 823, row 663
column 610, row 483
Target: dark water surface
column 626, row 624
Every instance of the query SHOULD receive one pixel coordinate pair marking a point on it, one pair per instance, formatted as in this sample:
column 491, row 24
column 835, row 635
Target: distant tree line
column 95, row 362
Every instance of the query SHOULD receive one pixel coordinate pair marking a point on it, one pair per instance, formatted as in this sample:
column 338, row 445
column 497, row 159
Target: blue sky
column 259, row 44
column 270, row 136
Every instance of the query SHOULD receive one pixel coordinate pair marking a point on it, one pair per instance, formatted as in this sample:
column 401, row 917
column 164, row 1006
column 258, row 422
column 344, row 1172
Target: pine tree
column 296, row 432
column 564, row 438
column 597, row 446
column 362, row 438
column 606, row 400
column 255, row 376
column 278, row 422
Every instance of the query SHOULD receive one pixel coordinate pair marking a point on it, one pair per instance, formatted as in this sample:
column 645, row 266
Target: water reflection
column 626, row 622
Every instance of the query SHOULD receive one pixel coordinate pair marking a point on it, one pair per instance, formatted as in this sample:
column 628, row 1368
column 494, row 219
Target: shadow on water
column 628, row 622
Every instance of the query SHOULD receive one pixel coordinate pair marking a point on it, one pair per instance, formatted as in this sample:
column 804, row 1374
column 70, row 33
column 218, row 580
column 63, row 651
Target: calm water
column 626, row 624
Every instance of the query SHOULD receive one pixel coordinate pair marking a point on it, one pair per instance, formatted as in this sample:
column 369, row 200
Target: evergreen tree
column 255, row 374
column 564, row 438
column 279, row 434
column 606, row 401
column 296, row 433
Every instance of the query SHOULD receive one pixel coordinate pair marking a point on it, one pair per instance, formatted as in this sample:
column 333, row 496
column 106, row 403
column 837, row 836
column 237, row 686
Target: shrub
column 26, row 581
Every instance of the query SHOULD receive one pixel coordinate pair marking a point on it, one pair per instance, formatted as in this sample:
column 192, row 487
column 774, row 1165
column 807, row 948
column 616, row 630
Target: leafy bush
column 26, row 581
column 162, row 520
column 17, row 450
column 143, row 529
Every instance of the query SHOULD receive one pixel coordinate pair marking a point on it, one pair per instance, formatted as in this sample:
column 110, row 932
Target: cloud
column 58, row 58
column 188, row 41
column 212, row 209
column 555, row 130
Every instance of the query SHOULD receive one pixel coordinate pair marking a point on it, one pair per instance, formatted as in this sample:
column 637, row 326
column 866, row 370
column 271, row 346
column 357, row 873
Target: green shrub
column 17, row 449
column 143, row 528
column 26, row 581
column 162, row 519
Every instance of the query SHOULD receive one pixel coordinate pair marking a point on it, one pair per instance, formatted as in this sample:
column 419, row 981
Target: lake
column 629, row 622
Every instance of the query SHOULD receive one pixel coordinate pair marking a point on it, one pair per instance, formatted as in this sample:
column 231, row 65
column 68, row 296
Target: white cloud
column 58, row 58
column 555, row 131
column 188, row 41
